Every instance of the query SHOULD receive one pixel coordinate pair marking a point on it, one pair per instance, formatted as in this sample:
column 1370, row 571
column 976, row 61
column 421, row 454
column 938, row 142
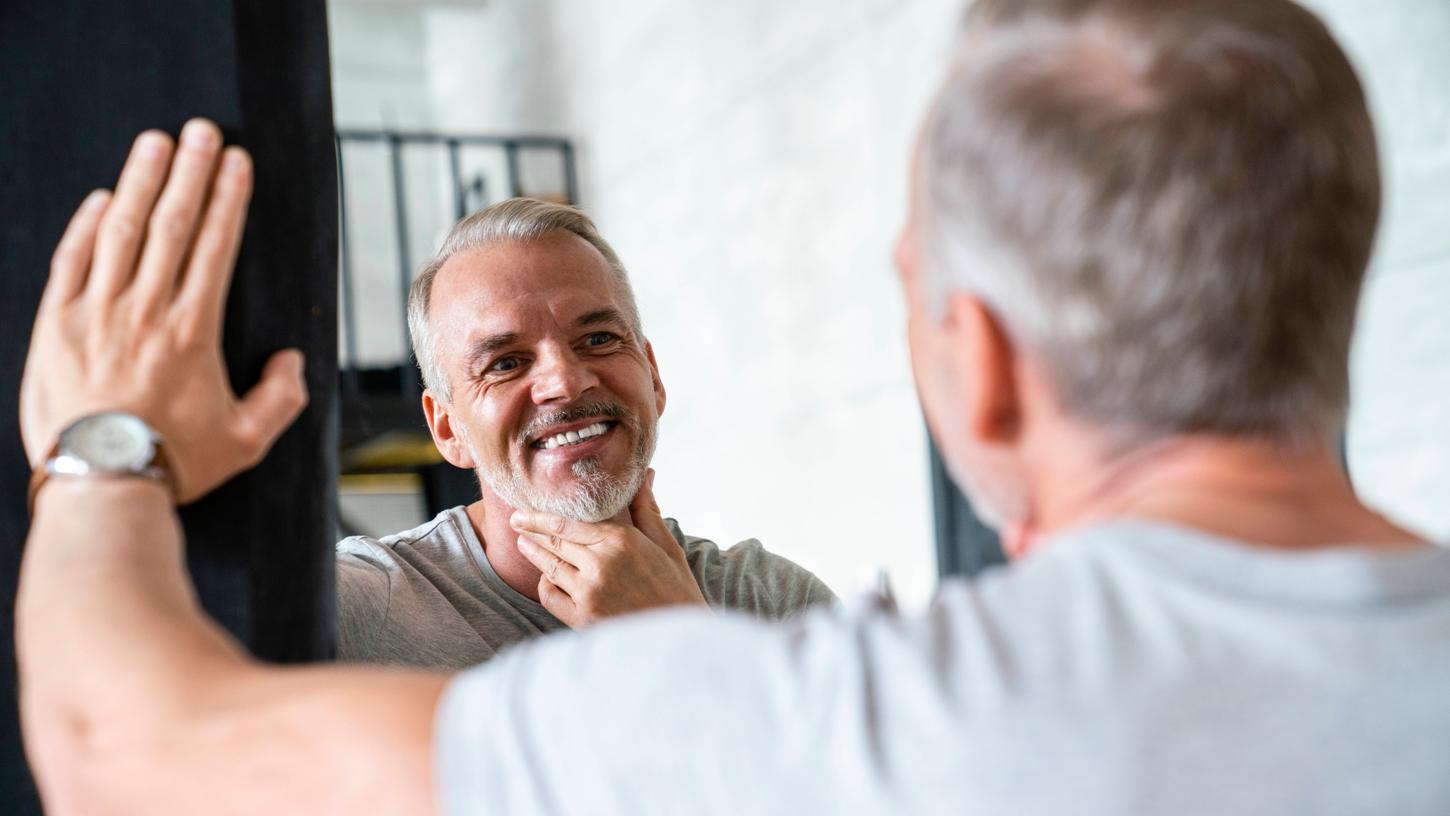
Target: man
column 538, row 377
column 1137, row 238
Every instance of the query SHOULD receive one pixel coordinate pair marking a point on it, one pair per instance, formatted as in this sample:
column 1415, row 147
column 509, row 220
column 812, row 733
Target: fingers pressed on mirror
column 202, row 296
column 172, row 224
column 123, row 227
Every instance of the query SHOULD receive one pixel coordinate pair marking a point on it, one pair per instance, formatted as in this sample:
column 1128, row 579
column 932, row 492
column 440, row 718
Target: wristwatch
column 111, row 444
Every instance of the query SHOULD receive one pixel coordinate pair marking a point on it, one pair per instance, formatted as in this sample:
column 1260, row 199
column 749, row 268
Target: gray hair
column 514, row 220
column 1170, row 203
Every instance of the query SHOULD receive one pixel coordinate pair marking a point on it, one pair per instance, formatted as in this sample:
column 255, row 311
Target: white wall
column 748, row 160
column 1399, row 430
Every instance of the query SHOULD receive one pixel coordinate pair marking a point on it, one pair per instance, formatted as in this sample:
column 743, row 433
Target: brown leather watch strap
column 159, row 469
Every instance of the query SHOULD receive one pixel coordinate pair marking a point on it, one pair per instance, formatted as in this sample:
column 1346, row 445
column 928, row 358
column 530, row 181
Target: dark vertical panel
column 571, row 174
column 349, row 379
column 455, row 172
column 78, row 80
column 964, row 545
column 511, row 158
column 409, row 377
column 287, row 296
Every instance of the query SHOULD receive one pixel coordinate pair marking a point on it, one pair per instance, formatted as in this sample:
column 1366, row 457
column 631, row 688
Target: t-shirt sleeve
column 748, row 578
column 659, row 713
column 363, row 593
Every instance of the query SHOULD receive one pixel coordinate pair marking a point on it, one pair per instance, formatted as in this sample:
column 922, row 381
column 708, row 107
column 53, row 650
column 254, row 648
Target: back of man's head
column 1170, row 203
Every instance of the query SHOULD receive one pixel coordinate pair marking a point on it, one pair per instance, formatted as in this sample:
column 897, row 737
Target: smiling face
column 555, row 398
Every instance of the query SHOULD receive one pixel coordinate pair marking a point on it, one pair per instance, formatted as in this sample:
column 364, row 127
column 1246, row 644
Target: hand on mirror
column 131, row 316
column 609, row 568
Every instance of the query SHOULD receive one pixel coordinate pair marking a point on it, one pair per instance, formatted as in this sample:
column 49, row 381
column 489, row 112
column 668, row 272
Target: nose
column 559, row 375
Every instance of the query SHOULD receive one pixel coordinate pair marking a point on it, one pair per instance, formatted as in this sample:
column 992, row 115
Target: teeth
column 574, row 437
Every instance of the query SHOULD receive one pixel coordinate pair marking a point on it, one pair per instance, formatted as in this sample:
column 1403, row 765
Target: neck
column 490, row 518
column 1256, row 491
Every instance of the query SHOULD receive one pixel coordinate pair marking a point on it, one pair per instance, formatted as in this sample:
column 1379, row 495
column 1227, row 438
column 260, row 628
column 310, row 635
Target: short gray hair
column 1170, row 202
column 514, row 220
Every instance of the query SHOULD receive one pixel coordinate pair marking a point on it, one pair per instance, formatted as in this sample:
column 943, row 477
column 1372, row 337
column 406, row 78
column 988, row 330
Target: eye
column 504, row 365
column 598, row 339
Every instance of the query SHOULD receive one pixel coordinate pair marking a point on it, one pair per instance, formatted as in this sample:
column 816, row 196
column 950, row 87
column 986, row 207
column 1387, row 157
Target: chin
column 592, row 495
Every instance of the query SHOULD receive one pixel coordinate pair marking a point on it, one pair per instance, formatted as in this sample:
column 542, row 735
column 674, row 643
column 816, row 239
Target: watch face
column 110, row 441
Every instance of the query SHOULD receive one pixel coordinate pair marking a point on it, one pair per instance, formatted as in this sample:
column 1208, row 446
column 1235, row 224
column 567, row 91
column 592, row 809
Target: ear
column 654, row 373
column 441, row 426
column 984, row 362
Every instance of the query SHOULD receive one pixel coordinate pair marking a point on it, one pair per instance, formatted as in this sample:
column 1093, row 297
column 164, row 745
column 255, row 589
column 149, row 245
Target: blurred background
column 748, row 161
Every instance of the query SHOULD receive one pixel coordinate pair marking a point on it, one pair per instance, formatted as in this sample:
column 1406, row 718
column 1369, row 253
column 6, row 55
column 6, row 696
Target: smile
column 574, row 437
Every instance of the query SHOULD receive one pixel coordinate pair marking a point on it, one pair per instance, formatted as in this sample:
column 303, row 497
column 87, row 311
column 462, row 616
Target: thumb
column 271, row 405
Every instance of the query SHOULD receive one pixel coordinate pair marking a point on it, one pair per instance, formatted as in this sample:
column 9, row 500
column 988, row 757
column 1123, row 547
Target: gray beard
column 595, row 494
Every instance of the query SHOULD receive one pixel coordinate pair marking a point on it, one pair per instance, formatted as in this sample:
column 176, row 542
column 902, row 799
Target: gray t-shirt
column 428, row 596
column 1132, row 668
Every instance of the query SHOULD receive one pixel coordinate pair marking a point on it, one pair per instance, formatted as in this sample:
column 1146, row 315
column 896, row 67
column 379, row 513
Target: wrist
column 106, row 445
column 76, row 493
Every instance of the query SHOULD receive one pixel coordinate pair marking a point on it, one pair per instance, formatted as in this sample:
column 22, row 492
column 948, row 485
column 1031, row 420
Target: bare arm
column 132, row 700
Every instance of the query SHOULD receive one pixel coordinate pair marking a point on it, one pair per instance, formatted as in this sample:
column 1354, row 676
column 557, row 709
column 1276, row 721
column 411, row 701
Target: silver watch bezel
column 72, row 459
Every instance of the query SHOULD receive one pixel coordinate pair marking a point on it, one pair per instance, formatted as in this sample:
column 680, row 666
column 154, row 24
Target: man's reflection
column 538, row 377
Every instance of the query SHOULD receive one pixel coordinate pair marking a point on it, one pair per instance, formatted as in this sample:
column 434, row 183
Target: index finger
column 553, row 548
column 547, row 524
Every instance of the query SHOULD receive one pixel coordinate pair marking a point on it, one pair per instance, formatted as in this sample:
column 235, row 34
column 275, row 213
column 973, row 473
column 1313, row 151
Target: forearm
column 106, row 617
column 105, row 588
column 134, row 701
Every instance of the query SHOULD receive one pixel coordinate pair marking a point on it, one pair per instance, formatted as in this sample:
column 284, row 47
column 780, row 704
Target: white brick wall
column 748, row 160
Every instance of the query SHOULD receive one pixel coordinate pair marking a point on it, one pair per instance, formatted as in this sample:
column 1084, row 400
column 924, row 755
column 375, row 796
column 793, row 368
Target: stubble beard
column 595, row 494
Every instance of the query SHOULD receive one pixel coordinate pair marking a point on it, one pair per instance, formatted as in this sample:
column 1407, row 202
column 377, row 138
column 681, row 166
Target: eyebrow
column 482, row 348
column 602, row 316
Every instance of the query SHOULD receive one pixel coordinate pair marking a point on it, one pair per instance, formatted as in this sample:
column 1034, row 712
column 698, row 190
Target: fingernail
column 96, row 199
column 236, row 161
column 198, row 133
column 152, row 144
column 526, row 546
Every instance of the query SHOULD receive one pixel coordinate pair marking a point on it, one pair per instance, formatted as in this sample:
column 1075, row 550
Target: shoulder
column 427, row 542
column 728, row 679
column 750, row 578
column 877, row 682
column 691, row 705
column 376, row 574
